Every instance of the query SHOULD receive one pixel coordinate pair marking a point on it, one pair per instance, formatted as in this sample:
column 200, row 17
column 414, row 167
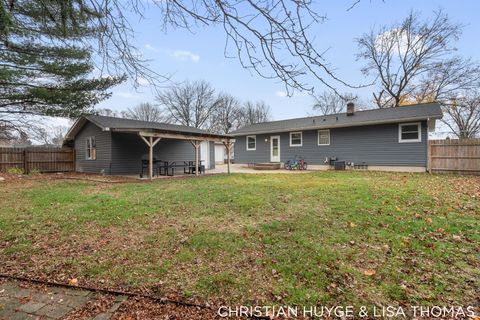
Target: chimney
column 350, row 109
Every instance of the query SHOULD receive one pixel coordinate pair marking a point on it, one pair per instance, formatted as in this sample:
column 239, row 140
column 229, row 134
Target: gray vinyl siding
column 102, row 142
column 128, row 149
column 373, row 145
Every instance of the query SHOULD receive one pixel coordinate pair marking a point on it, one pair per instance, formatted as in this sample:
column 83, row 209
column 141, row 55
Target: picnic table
column 168, row 168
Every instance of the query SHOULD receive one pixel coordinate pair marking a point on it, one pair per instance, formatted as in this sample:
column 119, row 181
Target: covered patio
column 127, row 147
column 152, row 137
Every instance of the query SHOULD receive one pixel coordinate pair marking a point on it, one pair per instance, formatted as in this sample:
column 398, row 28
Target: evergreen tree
column 46, row 66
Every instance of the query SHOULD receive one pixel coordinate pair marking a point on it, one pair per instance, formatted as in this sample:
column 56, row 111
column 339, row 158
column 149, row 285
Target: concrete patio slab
column 21, row 300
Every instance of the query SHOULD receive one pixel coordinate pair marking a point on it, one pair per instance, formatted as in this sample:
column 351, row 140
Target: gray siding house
column 114, row 146
column 381, row 139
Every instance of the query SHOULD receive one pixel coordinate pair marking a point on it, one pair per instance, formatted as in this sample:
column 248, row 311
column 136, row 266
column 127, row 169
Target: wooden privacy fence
column 40, row 159
column 460, row 156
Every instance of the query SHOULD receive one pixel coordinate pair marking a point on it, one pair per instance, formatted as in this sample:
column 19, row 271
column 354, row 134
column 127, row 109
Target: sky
column 200, row 55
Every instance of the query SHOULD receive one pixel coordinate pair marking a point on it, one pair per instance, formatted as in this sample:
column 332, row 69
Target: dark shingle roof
column 122, row 123
column 367, row 117
column 119, row 124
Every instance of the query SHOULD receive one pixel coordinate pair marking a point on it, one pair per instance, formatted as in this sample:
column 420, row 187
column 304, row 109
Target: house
column 382, row 139
column 116, row 146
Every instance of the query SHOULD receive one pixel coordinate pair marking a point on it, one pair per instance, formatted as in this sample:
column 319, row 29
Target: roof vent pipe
column 350, row 109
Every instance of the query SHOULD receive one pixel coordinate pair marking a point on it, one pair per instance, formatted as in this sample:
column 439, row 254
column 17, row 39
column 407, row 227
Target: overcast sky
column 200, row 56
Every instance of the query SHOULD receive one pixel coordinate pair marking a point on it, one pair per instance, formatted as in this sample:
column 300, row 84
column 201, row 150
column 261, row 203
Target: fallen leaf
column 369, row 272
column 352, row 225
column 456, row 238
column 73, row 282
column 428, row 220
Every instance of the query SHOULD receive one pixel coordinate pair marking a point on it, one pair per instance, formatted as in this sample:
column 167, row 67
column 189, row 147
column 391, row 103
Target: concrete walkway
column 19, row 300
column 243, row 168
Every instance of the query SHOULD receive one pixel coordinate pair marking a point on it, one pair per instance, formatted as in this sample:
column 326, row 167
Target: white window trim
column 255, row 138
column 318, row 137
column 301, row 139
column 91, row 148
column 419, row 139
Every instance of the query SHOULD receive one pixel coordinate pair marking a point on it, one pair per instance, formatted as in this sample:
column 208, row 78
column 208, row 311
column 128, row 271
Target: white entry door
column 275, row 149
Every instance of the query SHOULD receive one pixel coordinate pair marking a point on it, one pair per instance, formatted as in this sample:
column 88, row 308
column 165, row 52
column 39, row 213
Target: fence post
column 429, row 156
column 25, row 162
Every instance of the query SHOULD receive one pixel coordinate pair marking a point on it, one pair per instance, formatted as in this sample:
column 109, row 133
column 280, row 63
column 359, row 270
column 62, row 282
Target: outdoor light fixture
column 266, row 139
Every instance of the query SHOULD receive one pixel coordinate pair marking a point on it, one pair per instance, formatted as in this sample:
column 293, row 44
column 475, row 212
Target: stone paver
column 20, row 302
column 31, row 307
column 55, row 311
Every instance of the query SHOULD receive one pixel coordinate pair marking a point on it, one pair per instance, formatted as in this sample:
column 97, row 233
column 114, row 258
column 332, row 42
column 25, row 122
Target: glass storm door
column 275, row 149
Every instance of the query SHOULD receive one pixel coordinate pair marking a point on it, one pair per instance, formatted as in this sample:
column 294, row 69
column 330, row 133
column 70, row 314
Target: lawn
column 324, row 237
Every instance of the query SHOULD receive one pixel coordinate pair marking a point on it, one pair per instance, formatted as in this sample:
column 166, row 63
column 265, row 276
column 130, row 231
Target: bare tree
column 463, row 114
column 397, row 57
column 446, row 79
column 227, row 116
column 254, row 112
column 190, row 104
column 147, row 112
column 270, row 37
column 329, row 102
column 50, row 136
column 413, row 62
column 454, row 84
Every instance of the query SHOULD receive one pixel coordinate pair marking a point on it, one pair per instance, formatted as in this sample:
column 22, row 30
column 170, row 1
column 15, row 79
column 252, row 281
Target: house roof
column 426, row 111
column 121, row 124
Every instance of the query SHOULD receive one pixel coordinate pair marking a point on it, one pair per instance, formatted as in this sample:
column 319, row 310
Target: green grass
column 274, row 238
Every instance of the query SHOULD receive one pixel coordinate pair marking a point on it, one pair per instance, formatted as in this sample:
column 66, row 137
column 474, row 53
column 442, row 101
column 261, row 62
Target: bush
column 15, row 170
column 34, row 172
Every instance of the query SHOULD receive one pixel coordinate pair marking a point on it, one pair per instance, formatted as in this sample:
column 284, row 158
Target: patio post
column 150, row 158
column 150, row 143
column 196, row 145
column 228, row 145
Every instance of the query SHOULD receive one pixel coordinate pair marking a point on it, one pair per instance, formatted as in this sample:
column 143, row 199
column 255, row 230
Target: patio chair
column 145, row 164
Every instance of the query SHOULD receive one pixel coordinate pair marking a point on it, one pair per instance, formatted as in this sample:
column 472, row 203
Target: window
column 324, row 137
column 251, row 142
column 409, row 132
column 91, row 150
column 295, row 139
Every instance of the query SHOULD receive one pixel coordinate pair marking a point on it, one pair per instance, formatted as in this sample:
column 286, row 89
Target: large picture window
column 409, row 132
column 324, row 137
column 251, row 142
column 91, row 150
column 295, row 139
